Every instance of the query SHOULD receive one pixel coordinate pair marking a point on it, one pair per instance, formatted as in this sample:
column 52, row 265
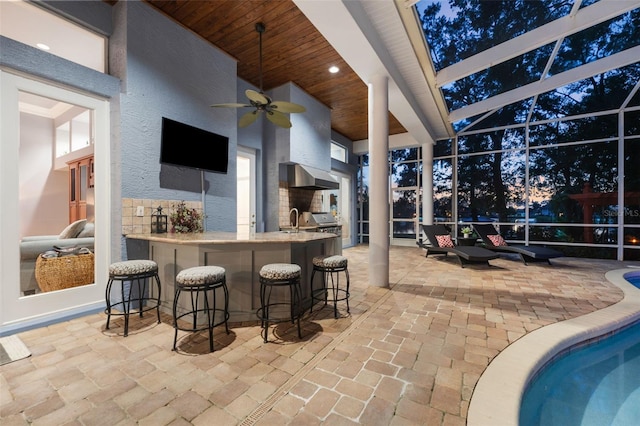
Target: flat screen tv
column 187, row 146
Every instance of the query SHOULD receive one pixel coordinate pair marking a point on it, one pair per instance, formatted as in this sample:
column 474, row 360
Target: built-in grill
column 325, row 222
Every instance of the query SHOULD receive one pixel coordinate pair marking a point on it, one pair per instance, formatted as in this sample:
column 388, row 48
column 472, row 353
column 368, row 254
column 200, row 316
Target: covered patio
column 410, row 354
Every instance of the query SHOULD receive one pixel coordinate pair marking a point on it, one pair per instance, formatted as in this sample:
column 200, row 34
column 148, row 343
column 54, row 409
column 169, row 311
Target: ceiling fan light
column 262, row 102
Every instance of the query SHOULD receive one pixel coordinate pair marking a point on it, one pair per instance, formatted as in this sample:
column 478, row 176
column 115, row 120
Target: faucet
column 297, row 223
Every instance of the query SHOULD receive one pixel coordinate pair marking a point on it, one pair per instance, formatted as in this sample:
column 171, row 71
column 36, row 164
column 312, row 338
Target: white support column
column 427, row 184
column 379, row 181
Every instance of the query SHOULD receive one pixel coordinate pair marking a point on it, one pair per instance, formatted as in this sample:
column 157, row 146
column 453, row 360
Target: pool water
column 594, row 385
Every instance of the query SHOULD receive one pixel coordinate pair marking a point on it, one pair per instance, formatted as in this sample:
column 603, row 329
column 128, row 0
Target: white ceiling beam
column 548, row 33
column 618, row 60
column 336, row 23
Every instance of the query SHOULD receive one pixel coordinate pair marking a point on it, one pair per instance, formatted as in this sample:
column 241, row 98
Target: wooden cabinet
column 80, row 180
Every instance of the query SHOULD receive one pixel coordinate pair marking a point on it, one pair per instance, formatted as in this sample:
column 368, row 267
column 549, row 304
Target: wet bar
column 242, row 256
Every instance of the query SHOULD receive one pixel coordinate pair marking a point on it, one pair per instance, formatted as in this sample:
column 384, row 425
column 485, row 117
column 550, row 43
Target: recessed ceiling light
column 42, row 46
column 334, row 69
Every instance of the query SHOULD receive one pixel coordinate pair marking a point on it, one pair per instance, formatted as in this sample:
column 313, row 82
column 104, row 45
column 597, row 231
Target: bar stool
column 272, row 277
column 196, row 281
column 330, row 266
column 130, row 271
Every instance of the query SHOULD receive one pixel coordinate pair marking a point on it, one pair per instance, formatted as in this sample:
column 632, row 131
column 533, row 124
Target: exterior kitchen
column 309, row 201
column 180, row 83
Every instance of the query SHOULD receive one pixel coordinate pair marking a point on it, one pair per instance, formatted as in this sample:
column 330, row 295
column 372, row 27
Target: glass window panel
column 492, row 141
column 631, row 254
column 404, row 204
column 442, row 190
column 491, row 186
column 83, row 182
column 363, row 187
column 494, row 22
column 404, row 154
column 404, row 229
column 577, row 183
column 588, row 128
column 632, row 123
column 632, row 236
column 631, row 213
column 404, row 174
column 443, row 148
column 338, row 152
column 570, row 234
column 631, row 169
column 497, row 79
column 515, row 113
column 635, row 100
column 598, row 41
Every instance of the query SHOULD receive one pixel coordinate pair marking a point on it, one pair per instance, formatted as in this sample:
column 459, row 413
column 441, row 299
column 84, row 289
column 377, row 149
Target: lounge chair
column 495, row 242
column 441, row 243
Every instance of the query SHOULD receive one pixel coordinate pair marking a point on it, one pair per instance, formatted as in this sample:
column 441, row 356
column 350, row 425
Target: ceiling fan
column 273, row 110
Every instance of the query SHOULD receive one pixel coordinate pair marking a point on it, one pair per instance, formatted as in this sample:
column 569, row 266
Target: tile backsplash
column 304, row 200
column 133, row 224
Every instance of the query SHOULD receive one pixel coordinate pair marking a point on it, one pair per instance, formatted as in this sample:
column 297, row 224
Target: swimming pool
column 593, row 384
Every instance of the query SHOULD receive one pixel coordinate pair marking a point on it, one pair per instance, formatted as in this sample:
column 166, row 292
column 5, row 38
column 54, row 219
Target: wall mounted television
column 183, row 145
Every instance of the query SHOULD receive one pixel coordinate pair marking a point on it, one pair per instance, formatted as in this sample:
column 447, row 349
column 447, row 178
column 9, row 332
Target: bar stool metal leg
column 198, row 281
column 138, row 272
column 272, row 277
column 330, row 267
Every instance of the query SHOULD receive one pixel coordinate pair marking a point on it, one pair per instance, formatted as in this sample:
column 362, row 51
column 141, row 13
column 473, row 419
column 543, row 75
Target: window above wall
column 338, row 152
column 53, row 34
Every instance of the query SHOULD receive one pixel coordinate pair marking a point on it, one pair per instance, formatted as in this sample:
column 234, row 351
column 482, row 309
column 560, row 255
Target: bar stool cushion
column 280, row 271
column 133, row 267
column 331, row 261
column 199, row 275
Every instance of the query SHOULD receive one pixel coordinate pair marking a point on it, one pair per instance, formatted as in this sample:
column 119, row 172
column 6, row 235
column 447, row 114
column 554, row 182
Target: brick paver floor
column 410, row 354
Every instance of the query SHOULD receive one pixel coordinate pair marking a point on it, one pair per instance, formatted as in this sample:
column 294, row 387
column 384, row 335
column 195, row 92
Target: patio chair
column 495, row 242
column 441, row 243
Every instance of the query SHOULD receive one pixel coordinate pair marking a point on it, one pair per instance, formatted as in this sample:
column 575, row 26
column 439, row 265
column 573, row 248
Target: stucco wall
column 170, row 72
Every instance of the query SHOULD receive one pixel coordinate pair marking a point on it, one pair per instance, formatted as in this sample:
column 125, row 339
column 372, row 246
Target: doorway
column 20, row 161
column 246, row 191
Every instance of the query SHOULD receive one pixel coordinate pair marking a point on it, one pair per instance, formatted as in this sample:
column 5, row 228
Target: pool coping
column 497, row 396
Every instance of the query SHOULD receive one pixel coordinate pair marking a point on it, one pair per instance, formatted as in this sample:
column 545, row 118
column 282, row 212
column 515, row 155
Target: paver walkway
column 410, row 354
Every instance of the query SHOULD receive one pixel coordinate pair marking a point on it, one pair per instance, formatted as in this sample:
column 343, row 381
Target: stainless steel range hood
column 306, row 177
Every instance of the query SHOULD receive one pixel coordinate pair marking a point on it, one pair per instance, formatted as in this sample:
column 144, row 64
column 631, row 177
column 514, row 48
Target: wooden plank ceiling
column 293, row 50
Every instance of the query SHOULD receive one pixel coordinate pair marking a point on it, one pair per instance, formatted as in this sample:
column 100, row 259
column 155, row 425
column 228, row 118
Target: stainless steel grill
column 325, row 222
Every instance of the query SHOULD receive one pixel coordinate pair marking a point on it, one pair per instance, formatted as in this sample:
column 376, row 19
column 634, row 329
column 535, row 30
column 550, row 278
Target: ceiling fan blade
column 283, row 106
column 257, row 97
column 279, row 119
column 248, row 118
column 231, row 105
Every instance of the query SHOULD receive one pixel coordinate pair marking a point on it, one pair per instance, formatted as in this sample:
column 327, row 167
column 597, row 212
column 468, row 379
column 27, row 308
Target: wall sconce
column 158, row 222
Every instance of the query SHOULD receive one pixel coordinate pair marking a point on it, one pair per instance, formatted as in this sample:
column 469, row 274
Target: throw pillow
column 73, row 229
column 87, row 231
column 444, row 240
column 497, row 240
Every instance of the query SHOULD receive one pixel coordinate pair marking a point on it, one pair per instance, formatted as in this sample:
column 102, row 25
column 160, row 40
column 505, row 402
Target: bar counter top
column 233, row 237
column 241, row 255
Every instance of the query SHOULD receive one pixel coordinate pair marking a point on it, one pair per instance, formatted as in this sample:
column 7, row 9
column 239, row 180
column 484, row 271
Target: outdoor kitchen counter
column 234, row 238
column 241, row 255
